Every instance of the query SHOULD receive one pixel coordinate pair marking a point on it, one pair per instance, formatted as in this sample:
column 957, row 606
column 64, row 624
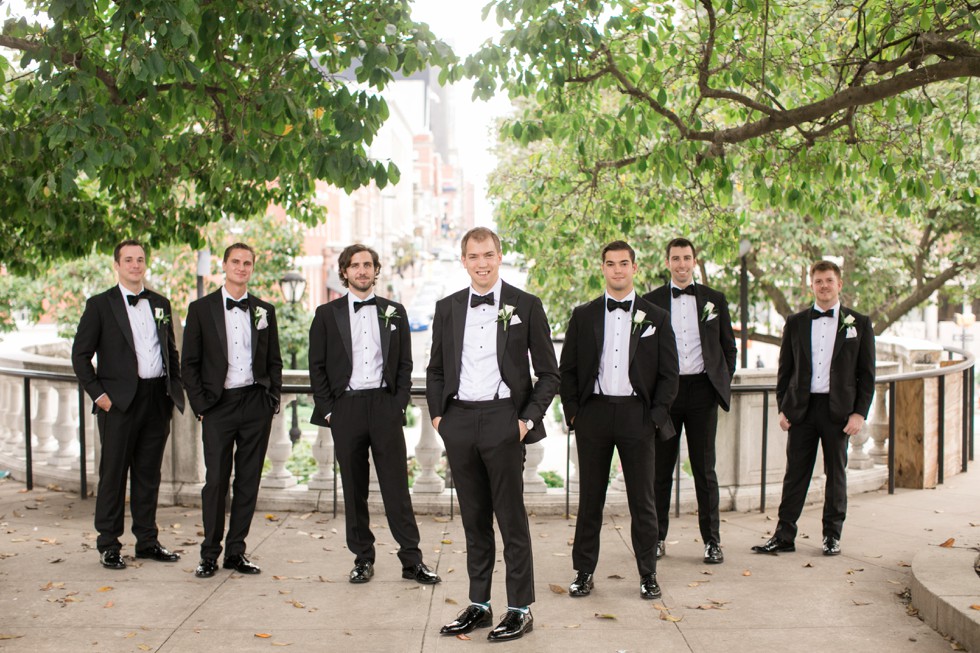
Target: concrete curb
column 944, row 586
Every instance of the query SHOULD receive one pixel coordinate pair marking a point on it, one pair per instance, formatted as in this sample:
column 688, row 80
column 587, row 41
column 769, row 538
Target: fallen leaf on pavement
column 108, row 604
column 746, row 573
column 975, row 606
column 56, row 561
column 451, row 601
column 144, row 647
column 669, row 617
column 615, row 577
column 808, row 565
column 463, row 637
column 106, row 588
column 263, row 635
column 296, row 604
column 605, row 616
column 52, row 586
column 282, row 643
column 851, row 572
column 698, row 583
column 2, row 636
column 948, row 544
column 573, row 626
column 447, row 541
column 860, row 602
column 271, row 517
column 557, row 589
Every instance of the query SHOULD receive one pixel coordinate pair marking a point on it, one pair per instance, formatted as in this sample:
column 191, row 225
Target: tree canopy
column 156, row 117
column 797, row 125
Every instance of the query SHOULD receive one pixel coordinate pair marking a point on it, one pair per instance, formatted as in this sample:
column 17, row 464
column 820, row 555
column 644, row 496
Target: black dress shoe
column 713, row 554
column 111, row 559
column 775, row 545
column 471, row 618
column 241, row 564
column 582, row 585
column 362, row 572
column 158, row 553
column 661, row 549
column 206, row 568
column 831, row 546
column 649, row 589
column 420, row 574
column 513, row 626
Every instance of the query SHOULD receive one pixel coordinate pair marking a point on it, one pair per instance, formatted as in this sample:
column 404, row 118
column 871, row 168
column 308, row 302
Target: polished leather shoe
column 473, row 617
column 713, row 554
column 513, row 626
column 206, row 568
column 241, row 564
column 421, row 574
column 362, row 572
column 775, row 545
column 649, row 589
column 661, row 549
column 831, row 546
column 582, row 585
column 158, row 553
column 111, row 559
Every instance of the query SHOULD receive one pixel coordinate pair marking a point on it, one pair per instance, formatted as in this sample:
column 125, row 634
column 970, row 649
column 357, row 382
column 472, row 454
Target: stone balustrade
column 57, row 456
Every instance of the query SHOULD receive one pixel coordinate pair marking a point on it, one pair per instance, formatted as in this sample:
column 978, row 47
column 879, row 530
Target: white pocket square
column 711, row 317
column 393, row 327
column 851, row 333
column 649, row 332
column 515, row 320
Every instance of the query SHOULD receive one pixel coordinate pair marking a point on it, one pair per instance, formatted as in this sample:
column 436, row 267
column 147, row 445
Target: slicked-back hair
column 129, row 242
column 346, row 256
column 235, row 246
column 825, row 266
column 681, row 243
column 618, row 246
column 479, row 234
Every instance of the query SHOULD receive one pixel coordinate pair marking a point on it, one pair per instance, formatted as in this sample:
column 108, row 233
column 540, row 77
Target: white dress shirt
column 479, row 374
column 614, row 370
column 823, row 334
column 687, row 333
column 149, row 359
column 367, row 365
column 238, row 328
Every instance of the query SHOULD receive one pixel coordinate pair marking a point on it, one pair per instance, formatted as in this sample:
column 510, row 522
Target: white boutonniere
column 708, row 313
column 639, row 319
column 261, row 318
column 160, row 317
column 846, row 322
column 389, row 315
column 505, row 315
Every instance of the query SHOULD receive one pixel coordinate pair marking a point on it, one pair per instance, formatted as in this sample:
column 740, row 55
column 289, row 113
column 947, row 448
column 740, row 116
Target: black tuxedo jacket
column 331, row 359
column 205, row 360
column 105, row 330
column 852, row 368
column 532, row 334
column 652, row 360
column 718, row 348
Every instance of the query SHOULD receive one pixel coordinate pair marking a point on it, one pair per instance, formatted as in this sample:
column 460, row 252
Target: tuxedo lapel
column 841, row 334
column 459, row 324
column 700, row 301
column 507, row 298
column 806, row 339
column 384, row 330
column 118, row 305
column 635, row 333
column 218, row 314
column 161, row 332
column 252, row 326
column 341, row 313
column 598, row 326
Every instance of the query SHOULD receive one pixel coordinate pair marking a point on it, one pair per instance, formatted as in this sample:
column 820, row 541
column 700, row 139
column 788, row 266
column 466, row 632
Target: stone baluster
column 533, row 455
column 857, row 457
column 427, row 454
column 573, row 454
column 65, row 426
column 46, row 398
column 280, row 447
column 7, row 388
column 322, row 451
column 619, row 483
column 879, row 425
column 15, row 417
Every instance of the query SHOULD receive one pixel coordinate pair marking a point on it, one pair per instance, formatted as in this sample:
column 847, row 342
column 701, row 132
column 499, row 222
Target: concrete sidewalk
column 54, row 595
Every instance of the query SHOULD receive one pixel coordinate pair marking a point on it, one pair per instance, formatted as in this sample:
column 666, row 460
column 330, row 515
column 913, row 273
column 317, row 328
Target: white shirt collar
column 226, row 295
column 126, row 291
column 495, row 290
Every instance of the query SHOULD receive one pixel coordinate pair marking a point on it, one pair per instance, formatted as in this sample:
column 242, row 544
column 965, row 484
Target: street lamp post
column 744, row 248
column 293, row 285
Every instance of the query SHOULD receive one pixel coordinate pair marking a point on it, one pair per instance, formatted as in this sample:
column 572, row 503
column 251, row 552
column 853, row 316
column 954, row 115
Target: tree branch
column 884, row 319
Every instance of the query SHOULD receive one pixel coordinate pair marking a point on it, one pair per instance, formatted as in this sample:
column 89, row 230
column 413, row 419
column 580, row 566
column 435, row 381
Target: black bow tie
column 612, row 305
column 476, row 300
column 687, row 290
column 135, row 299
column 367, row 302
column 816, row 315
column 232, row 304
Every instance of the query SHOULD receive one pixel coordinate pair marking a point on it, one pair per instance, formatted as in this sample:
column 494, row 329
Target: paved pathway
column 54, row 596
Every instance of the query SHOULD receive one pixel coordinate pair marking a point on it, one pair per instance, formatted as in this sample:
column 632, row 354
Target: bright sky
column 458, row 23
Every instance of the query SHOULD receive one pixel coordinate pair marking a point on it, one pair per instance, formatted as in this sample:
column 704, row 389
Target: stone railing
column 64, row 450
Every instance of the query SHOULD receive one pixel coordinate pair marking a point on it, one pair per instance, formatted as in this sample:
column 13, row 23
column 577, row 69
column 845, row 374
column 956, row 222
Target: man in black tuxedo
column 706, row 354
column 233, row 376
column 135, row 388
column 618, row 379
column 824, row 386
column 366, row 410
column 486, row 408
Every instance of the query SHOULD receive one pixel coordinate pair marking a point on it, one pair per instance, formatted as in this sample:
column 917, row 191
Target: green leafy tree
column 158, row 117
column 729, row 119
